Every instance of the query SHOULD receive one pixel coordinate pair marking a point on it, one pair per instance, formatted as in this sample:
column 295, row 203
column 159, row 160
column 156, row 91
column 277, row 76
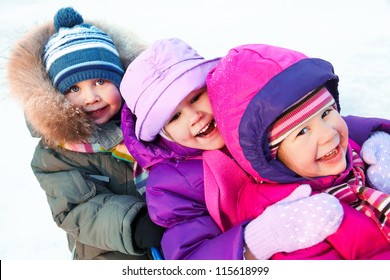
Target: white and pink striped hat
column 302, row 110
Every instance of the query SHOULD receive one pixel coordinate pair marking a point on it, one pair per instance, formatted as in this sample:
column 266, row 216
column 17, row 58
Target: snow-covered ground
column 352, row 34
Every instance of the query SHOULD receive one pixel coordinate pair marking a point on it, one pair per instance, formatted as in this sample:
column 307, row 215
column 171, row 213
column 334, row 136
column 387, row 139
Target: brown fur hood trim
column 47, row 111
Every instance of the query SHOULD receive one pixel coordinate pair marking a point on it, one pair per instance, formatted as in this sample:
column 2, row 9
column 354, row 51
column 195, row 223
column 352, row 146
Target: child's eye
column 174, row 117
column 303, row 131
column 73, row 89
column 327, row 112
column 196, row 97
column 99, row 82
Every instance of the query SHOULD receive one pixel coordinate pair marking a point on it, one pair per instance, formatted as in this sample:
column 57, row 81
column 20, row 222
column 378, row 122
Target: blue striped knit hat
column 79, row 51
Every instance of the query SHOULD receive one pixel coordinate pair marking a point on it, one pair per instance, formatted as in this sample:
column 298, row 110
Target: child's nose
column 90, row 96
column 195, row 116
column 326, row 133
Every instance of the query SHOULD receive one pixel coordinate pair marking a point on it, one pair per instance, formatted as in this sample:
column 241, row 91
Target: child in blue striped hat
column 84, row 65
column 67, row 80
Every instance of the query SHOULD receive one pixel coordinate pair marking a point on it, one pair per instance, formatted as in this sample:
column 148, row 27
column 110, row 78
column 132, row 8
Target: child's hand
column 296, row 222
column 376, row 152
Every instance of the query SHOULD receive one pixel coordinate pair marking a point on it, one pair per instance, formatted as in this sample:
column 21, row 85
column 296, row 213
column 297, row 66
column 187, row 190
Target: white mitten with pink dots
column 296, row 222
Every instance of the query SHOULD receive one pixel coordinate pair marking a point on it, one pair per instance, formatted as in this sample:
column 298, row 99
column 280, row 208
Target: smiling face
column 192, row 124
column 99, row 98
column 318, row 147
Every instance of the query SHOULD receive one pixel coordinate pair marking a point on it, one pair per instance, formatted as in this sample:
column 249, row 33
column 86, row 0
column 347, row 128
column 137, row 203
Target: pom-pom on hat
column 79, row 51
column 159, row 79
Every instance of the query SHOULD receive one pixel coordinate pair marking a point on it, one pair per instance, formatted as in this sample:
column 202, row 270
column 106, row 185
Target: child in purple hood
column 282, row 125
column 167, row 126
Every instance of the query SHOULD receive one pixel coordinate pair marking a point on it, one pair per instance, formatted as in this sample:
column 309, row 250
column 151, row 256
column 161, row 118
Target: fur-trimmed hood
column 46, row 110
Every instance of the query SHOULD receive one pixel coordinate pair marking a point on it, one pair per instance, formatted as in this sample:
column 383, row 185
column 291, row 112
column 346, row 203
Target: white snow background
column 354, row 35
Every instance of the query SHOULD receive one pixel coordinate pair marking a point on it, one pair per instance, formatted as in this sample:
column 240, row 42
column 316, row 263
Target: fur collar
column 46, row 110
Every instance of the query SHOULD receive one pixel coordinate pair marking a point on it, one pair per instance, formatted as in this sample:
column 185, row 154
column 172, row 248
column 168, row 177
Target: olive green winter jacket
column 94, row 210
column 92, row 197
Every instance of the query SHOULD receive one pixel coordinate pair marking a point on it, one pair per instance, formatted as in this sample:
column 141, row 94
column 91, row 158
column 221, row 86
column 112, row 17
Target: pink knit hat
column 299, row 112
column 159, row 79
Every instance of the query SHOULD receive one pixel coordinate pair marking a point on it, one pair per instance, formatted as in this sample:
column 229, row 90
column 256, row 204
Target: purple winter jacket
column 176, row 201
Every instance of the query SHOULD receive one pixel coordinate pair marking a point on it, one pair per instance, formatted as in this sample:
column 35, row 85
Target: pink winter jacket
column 243, row 91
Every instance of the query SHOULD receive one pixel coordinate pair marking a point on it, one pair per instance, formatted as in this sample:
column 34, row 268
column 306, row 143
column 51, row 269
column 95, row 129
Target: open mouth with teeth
column 207, row 129
column 330, row 155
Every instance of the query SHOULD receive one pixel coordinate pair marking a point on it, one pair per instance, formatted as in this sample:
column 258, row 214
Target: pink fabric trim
column 223, row 180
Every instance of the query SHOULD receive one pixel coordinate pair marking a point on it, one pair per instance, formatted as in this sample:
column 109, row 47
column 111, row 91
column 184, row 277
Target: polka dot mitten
column 296, row 222
column 376, row 152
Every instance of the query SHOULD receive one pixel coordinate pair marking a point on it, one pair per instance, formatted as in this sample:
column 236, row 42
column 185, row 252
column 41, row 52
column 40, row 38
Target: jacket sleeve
column 175, row 198
column 360, row 128
column 84, row 206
